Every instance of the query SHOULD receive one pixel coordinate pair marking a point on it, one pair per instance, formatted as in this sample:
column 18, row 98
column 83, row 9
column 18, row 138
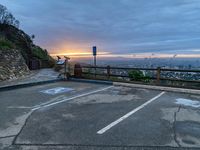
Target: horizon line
column 128, row 56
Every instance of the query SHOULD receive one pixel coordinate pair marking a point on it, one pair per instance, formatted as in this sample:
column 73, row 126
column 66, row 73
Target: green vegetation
column 11, row 37
column 40, row 53
column 137, row 75
column 5, row 44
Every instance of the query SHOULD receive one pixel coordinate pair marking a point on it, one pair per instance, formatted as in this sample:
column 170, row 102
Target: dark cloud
column 118, row 26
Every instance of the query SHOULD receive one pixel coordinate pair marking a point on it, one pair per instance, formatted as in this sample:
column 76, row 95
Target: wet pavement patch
column 188, row 133
column 188, row 102
column 57, row 90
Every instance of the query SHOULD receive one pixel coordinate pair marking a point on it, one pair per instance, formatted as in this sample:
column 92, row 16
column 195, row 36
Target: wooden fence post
column 158, row 75
column 108, row 72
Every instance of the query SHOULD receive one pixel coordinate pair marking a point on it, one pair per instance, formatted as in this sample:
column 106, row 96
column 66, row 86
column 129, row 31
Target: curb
column 160, row 88
column 91, row 81
column 11, row 87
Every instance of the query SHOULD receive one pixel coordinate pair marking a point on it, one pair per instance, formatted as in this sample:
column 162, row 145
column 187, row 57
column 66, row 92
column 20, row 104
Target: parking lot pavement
column 16, row 105
column 106, row 117
column 34, row 76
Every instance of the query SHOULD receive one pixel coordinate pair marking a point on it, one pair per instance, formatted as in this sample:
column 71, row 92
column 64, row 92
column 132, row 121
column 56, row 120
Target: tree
column 7, row 18
column 16, row 23
column 2, row 13
column 32, row 36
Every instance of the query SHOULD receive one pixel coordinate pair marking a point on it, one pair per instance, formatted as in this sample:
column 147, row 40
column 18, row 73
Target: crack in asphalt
column 174, row 127
column 25, row 122
column 16, row 135
column 8, row 136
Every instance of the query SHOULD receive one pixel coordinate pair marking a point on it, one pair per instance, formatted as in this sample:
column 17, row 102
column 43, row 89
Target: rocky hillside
column 15, row 38
column 12, row 37
column 18, row 53
column 12, row 64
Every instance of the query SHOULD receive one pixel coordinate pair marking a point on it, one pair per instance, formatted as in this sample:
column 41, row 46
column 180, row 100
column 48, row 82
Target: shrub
column 40, row 53
column 43, row 55
column 138, row 75
column 5, row 44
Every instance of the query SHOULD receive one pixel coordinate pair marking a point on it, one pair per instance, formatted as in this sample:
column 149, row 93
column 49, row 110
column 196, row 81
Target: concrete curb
column 11, row 87
column 91, row 81
column 23, row 85
column 162, row 88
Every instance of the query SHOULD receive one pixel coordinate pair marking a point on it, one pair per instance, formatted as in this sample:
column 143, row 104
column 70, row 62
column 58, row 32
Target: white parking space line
column 128, row 114
column 71, row 98
column 19, row 107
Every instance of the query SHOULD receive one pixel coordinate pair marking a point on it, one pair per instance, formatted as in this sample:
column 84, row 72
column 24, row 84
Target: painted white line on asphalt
column 19, row 107
column 128, row 114
column 61, row 97
column 71, row 98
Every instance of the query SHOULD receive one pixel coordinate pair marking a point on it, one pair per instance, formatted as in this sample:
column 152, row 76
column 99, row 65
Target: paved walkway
column 35, row 76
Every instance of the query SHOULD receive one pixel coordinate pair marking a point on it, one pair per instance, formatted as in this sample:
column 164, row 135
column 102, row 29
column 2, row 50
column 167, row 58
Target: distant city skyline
column 119, row 28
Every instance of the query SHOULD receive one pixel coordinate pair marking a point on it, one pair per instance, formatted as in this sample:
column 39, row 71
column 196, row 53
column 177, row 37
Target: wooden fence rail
column 158, row 73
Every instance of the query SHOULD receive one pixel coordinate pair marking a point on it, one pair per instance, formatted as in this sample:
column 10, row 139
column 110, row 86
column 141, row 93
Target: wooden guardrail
column 158, row 73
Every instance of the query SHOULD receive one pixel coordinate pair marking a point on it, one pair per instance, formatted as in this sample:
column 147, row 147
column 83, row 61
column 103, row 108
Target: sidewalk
column 35, row 76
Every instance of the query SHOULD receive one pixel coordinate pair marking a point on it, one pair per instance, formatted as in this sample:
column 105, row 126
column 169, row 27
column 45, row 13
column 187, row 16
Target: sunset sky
column 129, row 28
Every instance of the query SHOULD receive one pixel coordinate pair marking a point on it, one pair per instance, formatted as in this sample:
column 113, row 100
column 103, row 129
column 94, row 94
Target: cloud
column 118, row 26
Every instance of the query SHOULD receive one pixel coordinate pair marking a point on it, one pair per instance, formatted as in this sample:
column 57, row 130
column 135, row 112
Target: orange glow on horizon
column 78, row 54
column 77, row 51
column 129, row 56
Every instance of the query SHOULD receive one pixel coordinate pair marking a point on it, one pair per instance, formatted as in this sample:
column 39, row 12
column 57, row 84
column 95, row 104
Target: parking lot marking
column 57, row 90
column 71, row 98
column 19, row 107
column 128, row 114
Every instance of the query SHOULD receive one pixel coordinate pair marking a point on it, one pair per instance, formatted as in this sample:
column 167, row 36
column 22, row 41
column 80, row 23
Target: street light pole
column 95, row 61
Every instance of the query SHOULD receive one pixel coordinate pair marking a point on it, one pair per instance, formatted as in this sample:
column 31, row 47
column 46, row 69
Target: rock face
column 12, row 37
column 12, row 64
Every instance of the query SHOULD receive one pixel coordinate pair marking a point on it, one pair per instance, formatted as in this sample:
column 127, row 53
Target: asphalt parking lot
column 75, row 115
